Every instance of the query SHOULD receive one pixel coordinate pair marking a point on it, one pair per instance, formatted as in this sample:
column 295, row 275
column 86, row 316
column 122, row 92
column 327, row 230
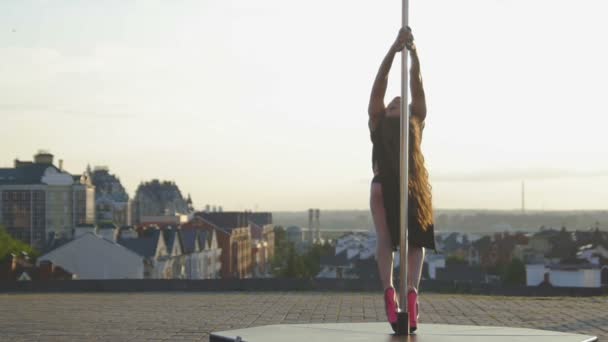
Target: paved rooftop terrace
column 173, row 316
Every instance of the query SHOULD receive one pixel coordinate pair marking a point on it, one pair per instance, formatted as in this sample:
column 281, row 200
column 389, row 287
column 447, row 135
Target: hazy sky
column 263, row 104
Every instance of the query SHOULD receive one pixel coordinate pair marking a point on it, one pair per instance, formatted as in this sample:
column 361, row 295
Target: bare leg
column 384, row 252
column 415, row 259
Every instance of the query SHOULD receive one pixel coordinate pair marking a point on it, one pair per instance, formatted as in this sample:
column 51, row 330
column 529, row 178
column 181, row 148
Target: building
column 112, row 202
column 354, row 253
column 433, row 263
column 39, row 199
column 579, row 275
column 314, row 226
column 294, row 235
column 233, row 230
column 174, row 266
column 498, row 249
column 337, row 266
column 156, row 198
column 262, row 234
column 202, row 254
column 92, row 257
column 152, row 248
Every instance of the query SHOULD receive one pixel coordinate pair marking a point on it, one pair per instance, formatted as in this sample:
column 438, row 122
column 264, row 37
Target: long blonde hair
column 418, row 176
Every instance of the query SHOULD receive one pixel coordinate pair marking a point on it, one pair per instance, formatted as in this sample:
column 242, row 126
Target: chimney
column 310, row 224
column 60, row 164
column 523, row 198
column 43, row 157
column 318, row 224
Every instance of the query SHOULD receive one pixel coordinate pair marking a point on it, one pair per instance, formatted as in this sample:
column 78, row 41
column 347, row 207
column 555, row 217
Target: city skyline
column 260, row 107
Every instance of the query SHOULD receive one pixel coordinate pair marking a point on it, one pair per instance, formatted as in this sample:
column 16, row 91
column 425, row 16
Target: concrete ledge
column 244, row 285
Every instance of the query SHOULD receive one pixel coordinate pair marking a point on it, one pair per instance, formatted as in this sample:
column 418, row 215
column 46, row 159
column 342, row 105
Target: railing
column 279, row 284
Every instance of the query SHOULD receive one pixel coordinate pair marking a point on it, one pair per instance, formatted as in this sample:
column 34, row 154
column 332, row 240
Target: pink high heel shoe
column 412, row 306
column 390, row 306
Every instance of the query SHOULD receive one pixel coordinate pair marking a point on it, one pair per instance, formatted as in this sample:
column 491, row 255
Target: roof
column 261, row 219
column 226, row 220
column 573, row 267
column 54, row 242
column 25, row 174
column 144, row 246
column 171, row 237
column 189, row 237
column 340, row 259
column 203, row 238
column 236, row 219
column 212, row 224
column 106, row 225
column 256, row 230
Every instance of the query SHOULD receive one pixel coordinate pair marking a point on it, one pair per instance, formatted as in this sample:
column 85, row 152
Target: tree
column 455, row 260
column 9, row 245
column 287, row 263
column 515, row 273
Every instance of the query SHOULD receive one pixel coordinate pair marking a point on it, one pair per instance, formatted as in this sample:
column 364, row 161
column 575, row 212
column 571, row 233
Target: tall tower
column 310, row 225
column 317, row 225
column 523, row 198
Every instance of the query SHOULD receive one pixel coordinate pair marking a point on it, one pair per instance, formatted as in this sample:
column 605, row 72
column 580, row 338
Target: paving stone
column 191, row 316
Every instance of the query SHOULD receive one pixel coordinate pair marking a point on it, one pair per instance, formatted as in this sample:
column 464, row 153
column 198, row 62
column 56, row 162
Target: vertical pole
column 403, row 155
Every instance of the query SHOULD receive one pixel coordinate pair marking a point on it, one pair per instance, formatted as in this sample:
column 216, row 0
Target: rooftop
column 193, row 316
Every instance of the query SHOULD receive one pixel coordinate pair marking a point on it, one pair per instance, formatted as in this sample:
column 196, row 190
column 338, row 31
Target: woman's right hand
column 404, row 39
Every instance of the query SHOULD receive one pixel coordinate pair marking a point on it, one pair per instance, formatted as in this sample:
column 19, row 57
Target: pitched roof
column 25, row 174
column 256, row 230
column 203, row 238
column 189, row 237
column 144, row 246
column 212, row 224
column 171, row 236
column 53, row 242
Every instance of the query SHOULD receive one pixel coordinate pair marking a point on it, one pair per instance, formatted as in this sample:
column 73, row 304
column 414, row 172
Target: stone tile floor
column 172, row 316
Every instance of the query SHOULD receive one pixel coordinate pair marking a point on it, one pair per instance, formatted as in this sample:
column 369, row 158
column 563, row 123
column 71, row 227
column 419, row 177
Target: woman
column 384, row 124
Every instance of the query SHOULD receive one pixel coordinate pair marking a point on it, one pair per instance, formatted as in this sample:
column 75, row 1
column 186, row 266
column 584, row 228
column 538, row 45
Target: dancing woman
column 384, row 125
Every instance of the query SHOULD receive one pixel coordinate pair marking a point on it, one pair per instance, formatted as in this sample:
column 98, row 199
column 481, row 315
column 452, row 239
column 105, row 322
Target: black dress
column 385, row 154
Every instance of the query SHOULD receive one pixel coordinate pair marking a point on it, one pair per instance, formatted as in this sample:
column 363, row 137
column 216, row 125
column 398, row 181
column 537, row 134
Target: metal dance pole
column 403, row 319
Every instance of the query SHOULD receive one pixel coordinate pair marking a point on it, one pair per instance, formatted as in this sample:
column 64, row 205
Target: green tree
column 287, row 263
column 515, row 273
column 9, row 245
column 455, row 260
column 281, row 251
column 312, row 259
column 296, row 265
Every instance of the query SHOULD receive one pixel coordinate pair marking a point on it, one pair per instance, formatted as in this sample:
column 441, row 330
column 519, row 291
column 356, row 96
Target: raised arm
column 376, row 102
column 418, row 104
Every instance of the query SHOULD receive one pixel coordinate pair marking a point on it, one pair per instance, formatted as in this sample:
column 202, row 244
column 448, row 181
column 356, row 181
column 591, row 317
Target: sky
column 262, row 105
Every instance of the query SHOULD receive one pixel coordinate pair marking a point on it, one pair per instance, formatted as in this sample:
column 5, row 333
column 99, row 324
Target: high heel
column 412, row 306
column 390, row 306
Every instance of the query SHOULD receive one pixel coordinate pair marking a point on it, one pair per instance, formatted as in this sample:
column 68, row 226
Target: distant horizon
column 185, row 192
column 250, row 106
